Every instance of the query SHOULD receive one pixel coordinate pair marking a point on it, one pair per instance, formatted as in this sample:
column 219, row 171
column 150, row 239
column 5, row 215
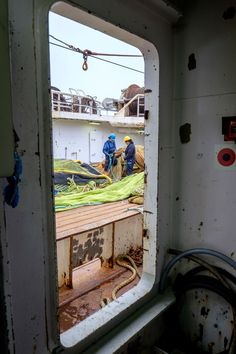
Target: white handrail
column 72, row 103
column 123, row 110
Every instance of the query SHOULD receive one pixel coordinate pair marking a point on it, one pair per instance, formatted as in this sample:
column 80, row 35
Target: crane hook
column 85, row 65
column 85, row 57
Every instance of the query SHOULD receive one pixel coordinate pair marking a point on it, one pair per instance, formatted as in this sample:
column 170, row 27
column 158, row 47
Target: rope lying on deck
column 133, row 268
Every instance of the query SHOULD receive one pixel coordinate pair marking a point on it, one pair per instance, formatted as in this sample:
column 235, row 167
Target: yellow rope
column 125, row 282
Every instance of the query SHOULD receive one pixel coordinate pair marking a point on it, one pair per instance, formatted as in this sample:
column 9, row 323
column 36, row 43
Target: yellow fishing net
column 129, row 186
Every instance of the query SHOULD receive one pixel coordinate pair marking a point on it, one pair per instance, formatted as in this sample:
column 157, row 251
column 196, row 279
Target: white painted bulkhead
column 203, row 199
column 79, row 140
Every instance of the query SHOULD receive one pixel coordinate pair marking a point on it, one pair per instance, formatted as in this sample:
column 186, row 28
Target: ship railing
column 139, row 112
column 67, row 102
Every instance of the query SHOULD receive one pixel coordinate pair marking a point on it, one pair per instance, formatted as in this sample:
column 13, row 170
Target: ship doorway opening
column 99, row 195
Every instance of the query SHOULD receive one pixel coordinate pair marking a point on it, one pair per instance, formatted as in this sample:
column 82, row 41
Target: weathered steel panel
column 63, row 262
column 128, row 233
column 207, row 319
column 90, row 245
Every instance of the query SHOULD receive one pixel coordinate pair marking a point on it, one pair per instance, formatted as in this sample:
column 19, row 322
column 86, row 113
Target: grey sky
column 101, row 79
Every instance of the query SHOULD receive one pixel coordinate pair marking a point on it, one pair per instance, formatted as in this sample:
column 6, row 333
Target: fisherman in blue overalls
column 129, row 155
column 109, row 149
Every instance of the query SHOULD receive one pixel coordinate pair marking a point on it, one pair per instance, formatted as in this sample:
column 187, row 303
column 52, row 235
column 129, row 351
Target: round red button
column 226, row 157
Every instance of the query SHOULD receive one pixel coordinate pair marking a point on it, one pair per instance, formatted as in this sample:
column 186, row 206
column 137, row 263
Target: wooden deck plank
column 84, row 213
column 93, row 225
column 92, row 213
column 87, row 208
column 85, row 220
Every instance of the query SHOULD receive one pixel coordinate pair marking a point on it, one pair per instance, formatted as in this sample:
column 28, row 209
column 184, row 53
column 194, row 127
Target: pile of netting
column 129, row 186
column 139, row 158
column 70, row 176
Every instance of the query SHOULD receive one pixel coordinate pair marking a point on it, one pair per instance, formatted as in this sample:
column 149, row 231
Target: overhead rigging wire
column 87, row 53
column 107, row 61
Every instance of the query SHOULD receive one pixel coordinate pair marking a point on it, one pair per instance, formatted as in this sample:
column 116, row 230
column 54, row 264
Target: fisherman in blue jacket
column 129, row 155
column 109, row 149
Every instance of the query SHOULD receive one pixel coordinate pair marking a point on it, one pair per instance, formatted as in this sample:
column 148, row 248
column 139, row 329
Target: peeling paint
column 204, row 312
column 192, row 62
column 184, row 133
column 91, row 249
